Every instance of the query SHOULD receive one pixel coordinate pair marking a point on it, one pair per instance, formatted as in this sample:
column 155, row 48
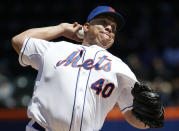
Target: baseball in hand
column 80, row 33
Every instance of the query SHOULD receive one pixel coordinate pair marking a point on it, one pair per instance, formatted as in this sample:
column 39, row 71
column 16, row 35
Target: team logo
column 111, row 9
column 103, row 62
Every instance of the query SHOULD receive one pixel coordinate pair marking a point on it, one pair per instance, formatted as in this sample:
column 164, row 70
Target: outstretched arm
column 131, row 119
column 147, row 108
column 47, row 33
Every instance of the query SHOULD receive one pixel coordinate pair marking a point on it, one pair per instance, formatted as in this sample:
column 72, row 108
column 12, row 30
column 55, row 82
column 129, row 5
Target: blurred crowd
column 149, row 43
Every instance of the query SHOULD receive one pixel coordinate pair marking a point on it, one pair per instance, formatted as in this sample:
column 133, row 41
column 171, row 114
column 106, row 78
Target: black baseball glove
column 147, row 106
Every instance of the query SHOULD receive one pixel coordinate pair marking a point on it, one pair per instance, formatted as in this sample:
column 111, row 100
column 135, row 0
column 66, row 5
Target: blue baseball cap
column 107, row 10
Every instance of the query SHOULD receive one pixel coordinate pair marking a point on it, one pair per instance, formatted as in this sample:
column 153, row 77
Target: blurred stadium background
column 149, row 44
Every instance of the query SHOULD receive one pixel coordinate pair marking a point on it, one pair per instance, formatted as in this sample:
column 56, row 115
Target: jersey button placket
column 82, row 85
column 79, row 97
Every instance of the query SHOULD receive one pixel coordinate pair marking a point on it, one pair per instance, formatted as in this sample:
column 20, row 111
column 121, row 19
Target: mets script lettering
column 103, row 63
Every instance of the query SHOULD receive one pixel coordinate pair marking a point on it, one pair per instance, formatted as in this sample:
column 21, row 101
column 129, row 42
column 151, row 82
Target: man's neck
column 85, row 43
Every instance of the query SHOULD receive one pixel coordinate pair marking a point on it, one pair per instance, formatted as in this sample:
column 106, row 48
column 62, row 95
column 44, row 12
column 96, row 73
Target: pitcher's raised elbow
column 16, row 44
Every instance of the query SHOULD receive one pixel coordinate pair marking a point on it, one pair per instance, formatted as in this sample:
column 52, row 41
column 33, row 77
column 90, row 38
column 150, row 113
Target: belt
column 38, row 127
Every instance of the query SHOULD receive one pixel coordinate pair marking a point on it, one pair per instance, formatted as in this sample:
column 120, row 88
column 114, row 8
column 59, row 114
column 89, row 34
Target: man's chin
column 105, row 43
column 106, row 46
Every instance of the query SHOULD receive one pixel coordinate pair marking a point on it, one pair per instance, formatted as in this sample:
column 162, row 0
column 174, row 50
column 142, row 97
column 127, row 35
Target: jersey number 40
column 98, row 87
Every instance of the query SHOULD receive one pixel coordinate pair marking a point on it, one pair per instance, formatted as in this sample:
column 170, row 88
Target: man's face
column 101, row 31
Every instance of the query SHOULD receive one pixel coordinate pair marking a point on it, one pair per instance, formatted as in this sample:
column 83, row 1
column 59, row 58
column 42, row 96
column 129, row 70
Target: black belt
column 38, row 127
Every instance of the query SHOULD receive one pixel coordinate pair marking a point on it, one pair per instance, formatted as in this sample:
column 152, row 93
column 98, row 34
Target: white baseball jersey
column 76, row 85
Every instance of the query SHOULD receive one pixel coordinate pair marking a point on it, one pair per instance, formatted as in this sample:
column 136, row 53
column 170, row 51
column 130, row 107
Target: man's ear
column 86, row 27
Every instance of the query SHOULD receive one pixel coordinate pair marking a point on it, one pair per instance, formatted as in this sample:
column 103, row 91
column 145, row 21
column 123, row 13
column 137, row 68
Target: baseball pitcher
column 77, row 85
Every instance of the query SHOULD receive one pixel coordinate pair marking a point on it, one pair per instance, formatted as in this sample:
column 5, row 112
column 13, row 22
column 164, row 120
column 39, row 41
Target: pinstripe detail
column 85, row 92
column 75, row 92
